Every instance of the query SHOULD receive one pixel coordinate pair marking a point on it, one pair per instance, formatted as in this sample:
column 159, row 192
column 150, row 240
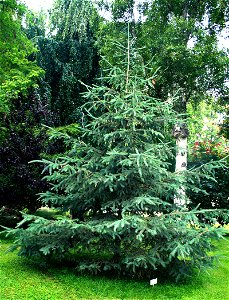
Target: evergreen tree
column 116, row 179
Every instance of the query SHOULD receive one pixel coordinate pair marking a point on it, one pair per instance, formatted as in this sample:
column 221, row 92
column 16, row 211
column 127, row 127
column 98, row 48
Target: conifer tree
column 117, row 181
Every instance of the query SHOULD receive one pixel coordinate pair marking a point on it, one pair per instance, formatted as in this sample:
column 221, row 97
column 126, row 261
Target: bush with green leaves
column 208, row 144
column 212, row 193
column 116, row 180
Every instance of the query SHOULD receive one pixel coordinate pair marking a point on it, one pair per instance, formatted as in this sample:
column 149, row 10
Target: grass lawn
column 20, row 280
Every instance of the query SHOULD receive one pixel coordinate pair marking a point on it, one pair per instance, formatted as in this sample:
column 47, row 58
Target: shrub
column 212, row 193
column 24, row 141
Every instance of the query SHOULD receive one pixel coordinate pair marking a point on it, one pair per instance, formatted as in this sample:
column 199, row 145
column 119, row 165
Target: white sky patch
column 223, row 39
column 37, row 5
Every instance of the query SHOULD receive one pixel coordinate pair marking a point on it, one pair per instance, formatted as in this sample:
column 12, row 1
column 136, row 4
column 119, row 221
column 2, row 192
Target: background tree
column 17, row 73
column 179, row 38
column 207, row 144
column 68, row 54
column 185, row 35
column 25, row 140
column 21, row 112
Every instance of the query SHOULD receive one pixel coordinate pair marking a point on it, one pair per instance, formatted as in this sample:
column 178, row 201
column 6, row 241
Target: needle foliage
column 118, row 183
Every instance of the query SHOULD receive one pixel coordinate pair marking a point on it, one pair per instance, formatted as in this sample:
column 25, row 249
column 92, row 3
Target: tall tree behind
column 179, row 38
column 68, row 54
column 17, row 73
column 21, row 111
column 182, row 36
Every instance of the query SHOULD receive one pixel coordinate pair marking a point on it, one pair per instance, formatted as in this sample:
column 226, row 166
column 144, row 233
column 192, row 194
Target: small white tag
column 153, row 281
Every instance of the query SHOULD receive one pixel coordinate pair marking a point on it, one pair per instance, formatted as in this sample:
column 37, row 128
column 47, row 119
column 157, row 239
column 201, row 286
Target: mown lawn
column 20, row 280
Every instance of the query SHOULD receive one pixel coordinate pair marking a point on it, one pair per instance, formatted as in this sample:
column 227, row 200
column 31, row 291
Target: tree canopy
column 180, row 40
column 17, row 72
column 68, row 54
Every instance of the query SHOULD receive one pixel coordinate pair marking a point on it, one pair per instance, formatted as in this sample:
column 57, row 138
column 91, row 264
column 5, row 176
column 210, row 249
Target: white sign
column 153, row 281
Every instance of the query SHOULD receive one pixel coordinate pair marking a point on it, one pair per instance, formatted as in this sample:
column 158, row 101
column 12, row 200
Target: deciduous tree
column 17, row 72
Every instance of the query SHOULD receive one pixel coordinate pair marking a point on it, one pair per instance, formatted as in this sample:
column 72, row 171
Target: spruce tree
column 118, row 182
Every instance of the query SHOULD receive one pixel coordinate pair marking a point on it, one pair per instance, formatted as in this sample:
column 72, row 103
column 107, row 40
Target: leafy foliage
column 116, row 181
column 72, row 18
column 179, row 39
column 66, row 59
column 17, row 73
column 24, row 141
column 206, row 145
column 21, row 111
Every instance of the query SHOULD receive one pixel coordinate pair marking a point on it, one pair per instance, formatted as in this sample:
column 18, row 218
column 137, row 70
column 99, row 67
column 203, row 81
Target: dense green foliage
column 21, row 112
column 17, row 73
column 206, row 145
column 24, row 141
column 68, row 54
column 116, row 182
column 179, row 38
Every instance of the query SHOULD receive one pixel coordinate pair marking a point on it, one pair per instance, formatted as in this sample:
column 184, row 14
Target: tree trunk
column 117, row 251
column 180, row 132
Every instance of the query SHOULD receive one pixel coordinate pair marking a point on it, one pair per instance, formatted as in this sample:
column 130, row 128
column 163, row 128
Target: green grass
column 21, row 280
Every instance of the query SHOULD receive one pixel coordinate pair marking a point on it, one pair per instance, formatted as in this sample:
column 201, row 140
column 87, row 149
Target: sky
column 36, row 5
